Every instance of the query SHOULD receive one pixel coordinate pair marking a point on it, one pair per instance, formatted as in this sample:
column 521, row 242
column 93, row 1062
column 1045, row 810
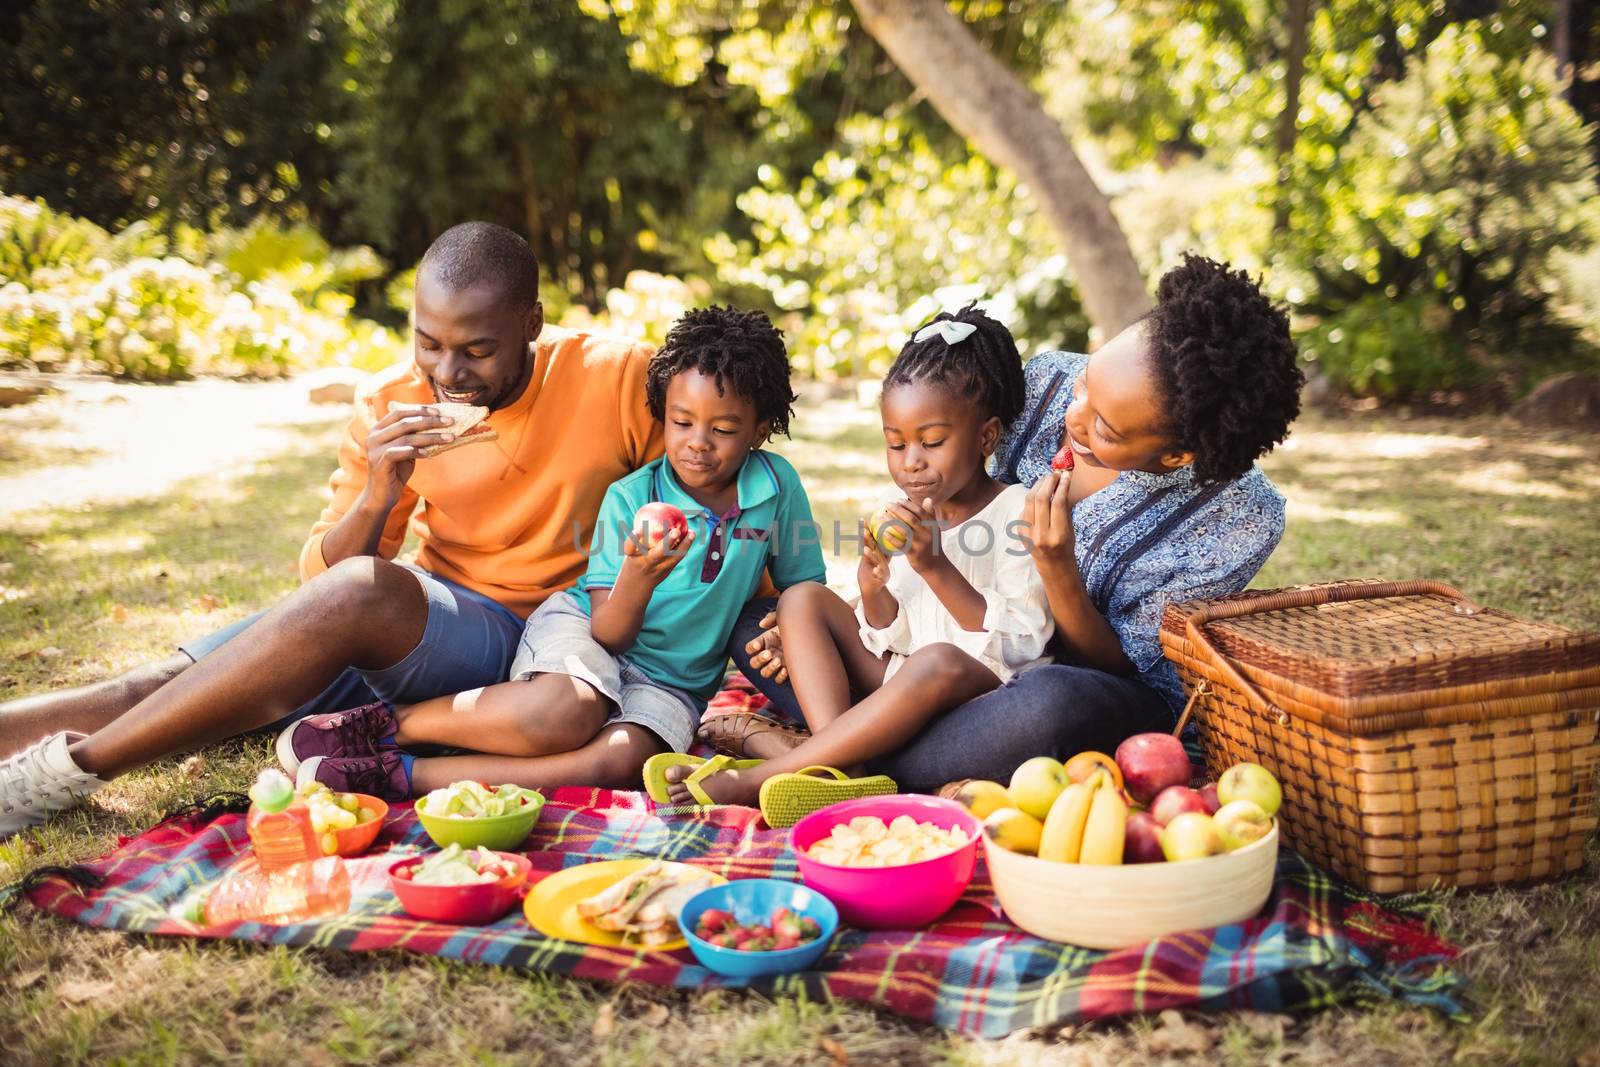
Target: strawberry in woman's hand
column 1063, row 460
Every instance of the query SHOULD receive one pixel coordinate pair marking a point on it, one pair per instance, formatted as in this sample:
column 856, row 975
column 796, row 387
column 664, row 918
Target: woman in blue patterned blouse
column 1164, row 504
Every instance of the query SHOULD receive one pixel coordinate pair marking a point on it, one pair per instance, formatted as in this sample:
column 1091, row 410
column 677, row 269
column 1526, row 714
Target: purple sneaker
column 362, row 731
column 383, row 775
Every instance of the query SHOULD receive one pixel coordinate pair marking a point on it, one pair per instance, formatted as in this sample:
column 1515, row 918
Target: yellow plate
column 552, row 905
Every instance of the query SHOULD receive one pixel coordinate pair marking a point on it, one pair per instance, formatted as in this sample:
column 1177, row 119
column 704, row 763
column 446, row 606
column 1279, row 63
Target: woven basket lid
column 1355, row 648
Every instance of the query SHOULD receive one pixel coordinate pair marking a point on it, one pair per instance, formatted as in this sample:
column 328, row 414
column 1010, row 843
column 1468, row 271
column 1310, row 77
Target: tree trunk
column 1299, row 18
column 991, row 107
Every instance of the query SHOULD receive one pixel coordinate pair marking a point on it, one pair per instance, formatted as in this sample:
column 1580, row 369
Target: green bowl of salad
column 473, row 815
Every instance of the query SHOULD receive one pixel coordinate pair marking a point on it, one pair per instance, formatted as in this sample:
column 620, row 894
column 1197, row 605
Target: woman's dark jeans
column 1056, row 710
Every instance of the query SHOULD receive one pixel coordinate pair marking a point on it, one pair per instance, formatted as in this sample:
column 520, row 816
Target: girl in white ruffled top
column 951, row 603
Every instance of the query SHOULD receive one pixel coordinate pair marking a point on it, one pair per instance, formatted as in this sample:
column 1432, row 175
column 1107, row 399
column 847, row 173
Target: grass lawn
column 103, row 581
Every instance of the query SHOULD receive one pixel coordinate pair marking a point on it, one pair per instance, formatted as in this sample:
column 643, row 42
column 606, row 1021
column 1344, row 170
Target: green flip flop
column 788, row 798
column 655, row 773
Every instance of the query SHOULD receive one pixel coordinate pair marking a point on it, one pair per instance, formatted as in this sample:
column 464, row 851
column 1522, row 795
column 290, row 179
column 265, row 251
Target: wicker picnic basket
column 1421, row 739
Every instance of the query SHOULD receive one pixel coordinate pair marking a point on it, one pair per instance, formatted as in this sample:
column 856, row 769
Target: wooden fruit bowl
column 1117, row 907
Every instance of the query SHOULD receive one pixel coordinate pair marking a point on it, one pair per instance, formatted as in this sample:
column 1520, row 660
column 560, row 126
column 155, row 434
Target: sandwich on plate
column 643, row 907
column 467, row 425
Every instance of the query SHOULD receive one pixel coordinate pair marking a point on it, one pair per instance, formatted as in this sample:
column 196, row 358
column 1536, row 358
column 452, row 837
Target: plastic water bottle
column 288, row 880
column 279, row 825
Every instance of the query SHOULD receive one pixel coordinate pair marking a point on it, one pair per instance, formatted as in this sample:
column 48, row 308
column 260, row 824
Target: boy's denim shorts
column 469, row 641
column 558, row 640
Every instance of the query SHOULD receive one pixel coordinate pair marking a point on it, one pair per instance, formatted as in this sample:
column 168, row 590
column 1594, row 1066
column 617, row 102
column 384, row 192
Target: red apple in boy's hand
column 1141, row 841
column 1151, row 763
column 656, row 519
column 1174, row 800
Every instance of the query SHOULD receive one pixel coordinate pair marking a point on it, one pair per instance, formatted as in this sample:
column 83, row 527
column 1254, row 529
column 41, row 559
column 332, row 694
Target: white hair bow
column 952, row 332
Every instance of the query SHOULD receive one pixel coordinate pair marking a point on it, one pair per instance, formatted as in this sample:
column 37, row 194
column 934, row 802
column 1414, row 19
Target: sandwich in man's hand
column 466, row 426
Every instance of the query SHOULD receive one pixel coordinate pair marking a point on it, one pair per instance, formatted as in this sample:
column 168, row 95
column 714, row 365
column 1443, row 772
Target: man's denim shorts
column 469, row 641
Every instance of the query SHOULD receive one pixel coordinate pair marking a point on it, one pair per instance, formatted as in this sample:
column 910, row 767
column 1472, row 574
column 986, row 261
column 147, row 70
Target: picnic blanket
column 1316, row 942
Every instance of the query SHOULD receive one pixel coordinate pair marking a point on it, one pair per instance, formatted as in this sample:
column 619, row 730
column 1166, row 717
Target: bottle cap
column 273, row 791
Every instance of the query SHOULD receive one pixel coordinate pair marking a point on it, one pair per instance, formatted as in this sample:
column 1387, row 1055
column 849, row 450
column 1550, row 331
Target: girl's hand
column 766, row 650
column 872, row 573
column 652, row 565
column 1051, row 540
column 924, row 551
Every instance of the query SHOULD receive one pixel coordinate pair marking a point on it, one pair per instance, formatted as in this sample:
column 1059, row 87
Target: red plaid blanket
column 1315, row 943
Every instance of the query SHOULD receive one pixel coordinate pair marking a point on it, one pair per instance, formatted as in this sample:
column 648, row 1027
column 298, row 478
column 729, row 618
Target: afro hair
column 742, row 350
column 1225, row 366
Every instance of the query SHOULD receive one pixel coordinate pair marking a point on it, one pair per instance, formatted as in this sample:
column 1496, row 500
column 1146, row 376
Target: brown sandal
column 728, row 732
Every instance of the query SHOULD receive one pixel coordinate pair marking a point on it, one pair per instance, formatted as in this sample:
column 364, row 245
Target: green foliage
column 271, row 303
column 1453, row 194
column 1380, row 346
column 884, row 233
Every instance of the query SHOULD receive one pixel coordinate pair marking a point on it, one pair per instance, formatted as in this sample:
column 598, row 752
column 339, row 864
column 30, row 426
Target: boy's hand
column 872, row 573
column 924, row 551
column 766, row 650
column 652, row 564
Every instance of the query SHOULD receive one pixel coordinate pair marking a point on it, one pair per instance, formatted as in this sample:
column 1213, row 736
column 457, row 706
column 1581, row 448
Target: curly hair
column 985, row 366
column 742, row 350
column 1225, row 367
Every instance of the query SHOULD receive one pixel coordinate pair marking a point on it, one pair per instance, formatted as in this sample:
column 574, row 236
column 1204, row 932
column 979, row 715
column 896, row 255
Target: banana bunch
column 1086, row 823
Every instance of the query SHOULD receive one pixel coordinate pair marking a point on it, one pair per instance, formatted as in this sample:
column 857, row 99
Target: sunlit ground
column 132, row 518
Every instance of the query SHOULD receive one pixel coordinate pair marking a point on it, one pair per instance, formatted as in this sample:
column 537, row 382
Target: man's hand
column 1048, row 513
column 766, row 650
column 651, row 565
column 392, row 449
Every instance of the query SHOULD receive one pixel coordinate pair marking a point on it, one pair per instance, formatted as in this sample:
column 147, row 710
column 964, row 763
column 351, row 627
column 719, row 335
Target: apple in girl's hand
column 1242, row 822
column 889, row 530
column 1151, row 763
column 1173, row 801
column 1141, row 841
column 1208, row 793
column 656, row 519
column 1250, row 781
column 1190, row 836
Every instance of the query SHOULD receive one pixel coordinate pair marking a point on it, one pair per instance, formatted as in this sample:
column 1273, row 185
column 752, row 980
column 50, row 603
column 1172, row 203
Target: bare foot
column 724, row 787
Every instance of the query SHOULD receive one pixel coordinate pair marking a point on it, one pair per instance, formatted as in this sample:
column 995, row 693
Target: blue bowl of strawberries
column 758, row 926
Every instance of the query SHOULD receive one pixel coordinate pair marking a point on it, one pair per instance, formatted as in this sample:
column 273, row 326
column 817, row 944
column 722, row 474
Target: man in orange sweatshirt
column 501, row 526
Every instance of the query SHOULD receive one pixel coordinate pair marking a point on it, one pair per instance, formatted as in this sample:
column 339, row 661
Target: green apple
column 1190, row 836
column 1036, row 784
column 1241, row 823
column 1250, row 781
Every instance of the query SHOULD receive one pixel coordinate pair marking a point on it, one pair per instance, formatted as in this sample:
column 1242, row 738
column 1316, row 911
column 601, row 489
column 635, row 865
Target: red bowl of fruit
column 452, row 901
column 354, row 840
column 346, row 824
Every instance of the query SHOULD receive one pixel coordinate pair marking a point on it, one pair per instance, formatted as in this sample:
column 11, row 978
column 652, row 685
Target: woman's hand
column 1048, row 513
column 652, row 565
column 924, row 551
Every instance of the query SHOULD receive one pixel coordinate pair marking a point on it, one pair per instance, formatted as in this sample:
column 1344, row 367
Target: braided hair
column 984, row 366
column 742, row 350
column 1224, row 366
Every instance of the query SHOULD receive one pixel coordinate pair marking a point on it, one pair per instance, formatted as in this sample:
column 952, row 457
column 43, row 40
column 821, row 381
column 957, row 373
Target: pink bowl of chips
column 892, row 875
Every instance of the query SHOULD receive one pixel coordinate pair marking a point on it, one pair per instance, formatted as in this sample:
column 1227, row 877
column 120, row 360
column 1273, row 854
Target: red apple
column 1151, row 763
column 1141, row 842
column 1190, row 836
column 1242, row 822
column 1174, row 800
column 656, row 519
column 1208, row 793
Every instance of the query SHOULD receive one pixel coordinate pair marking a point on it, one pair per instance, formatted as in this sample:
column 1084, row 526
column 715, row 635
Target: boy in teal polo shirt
column 619, row 668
